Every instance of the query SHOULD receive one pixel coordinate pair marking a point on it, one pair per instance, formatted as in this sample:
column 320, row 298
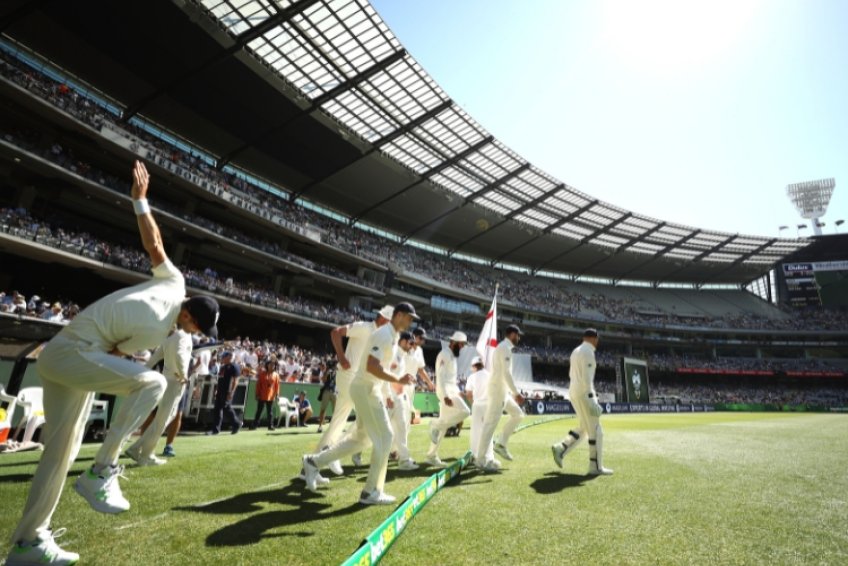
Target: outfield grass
column 688, row 489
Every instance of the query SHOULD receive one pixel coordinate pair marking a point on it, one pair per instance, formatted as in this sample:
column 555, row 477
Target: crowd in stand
column 735, row 393
column 37, row 307
column 522, row 290
column 20, row 223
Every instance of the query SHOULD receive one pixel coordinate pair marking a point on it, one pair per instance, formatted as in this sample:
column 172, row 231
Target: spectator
column 328, row 394
column 267, row 391
column 304, row 409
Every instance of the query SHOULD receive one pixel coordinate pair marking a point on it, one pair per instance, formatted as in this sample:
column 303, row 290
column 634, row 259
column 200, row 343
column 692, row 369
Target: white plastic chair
column 31, row 400
column 7, row 414
column 287, row 408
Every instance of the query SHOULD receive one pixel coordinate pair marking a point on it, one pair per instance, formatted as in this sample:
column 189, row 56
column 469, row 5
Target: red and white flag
column 488, row 340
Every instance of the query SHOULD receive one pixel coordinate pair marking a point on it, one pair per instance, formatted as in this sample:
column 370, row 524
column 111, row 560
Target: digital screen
column 816, row 283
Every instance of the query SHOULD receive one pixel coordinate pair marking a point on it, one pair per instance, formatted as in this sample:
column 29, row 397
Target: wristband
column 141, row 207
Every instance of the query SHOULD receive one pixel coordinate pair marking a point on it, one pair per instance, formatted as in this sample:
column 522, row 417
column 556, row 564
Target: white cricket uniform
column 501, row 385
column 401, row 415
column 478, row 385
column 76, row 363
column 583, row 396
column 176, row 353
column 446, row 387
column 358, row 334
column 372, row 421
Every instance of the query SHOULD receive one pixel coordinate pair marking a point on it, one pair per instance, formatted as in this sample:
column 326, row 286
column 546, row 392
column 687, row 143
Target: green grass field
column 688, row 489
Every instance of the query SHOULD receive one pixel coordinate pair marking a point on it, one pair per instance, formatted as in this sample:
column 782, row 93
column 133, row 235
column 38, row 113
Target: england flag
column 488, row 340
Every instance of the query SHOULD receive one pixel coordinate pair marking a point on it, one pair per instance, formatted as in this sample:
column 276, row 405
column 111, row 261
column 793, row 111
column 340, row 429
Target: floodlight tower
column 811, row 199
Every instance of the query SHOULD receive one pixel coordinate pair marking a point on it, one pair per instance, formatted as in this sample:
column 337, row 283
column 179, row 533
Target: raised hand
column 141, row 180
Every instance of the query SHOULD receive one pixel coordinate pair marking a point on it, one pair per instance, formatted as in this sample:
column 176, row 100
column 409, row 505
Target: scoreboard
column 816, row 283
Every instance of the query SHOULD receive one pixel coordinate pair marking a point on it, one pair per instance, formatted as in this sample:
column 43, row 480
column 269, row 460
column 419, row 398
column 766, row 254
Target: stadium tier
column 213, row 209
column 247, row 216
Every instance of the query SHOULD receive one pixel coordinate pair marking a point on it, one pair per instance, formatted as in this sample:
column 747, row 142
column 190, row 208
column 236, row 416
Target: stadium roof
column 320, row 97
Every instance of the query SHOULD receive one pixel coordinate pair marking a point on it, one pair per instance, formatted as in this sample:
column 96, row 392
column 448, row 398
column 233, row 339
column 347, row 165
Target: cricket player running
column 501, row 384
column 413, row 364
column 396, row 401
column 372, row 420
column 452, row 408
column 349, row 358
column 476, row 391
column 584, row 399
column 88, row 355
column 176, row 353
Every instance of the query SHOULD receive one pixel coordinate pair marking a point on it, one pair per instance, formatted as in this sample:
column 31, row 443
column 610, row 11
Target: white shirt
column 251, row 360
column 358, row 333
column 135, row 318
column 501, row 379
column 413, row 360
column 382, row 344
column 204, row 357
column 478, row 385
column 446, row 374
column 582, row 371
column 176, row 352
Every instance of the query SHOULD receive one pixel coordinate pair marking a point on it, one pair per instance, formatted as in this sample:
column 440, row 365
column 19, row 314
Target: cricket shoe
column 336, row 467
column 502, row 451
column 558, row 450
column 435, row 461
column 596, row 471
column 311, row 475
column 320, row 480
column 491, row 466
column 407, row 465
column 168, row 452
column 135, row 454
column 102, row 490
column 376, row 497
column 41, row 551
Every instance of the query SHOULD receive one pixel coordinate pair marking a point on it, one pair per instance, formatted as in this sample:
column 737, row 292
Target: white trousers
column 71, row 372
column 401, row 416
column 478, row 420
column 372, row 428
column 491, row 420
column 166, row 412
column 589, row 427
column 449, row 415
column 341, row 410
column 515, row 415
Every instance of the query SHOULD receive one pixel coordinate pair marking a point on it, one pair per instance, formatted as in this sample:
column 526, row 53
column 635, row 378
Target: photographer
column 328, row 393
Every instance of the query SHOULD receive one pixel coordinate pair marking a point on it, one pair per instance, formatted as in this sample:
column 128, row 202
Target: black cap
column 590, row 333
column 407, row 308
column 405, row 336
column 513, row 328
column 419, row 331
column 205, row 311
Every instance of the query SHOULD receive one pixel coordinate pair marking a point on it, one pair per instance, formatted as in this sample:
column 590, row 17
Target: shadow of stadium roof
column 320, row 97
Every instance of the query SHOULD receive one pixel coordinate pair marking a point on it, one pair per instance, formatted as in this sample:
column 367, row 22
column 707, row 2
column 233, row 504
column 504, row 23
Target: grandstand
column 306, row 171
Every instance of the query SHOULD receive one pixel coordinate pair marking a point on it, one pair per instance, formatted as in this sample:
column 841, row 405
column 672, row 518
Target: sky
column 698, row 113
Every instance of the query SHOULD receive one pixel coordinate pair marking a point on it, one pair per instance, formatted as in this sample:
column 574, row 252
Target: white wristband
column 141, row 207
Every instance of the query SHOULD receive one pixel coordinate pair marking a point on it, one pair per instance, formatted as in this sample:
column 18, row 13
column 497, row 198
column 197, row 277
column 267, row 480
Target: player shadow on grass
column 38, row 459
column 22, row 478
column 554, row 482
column 255, row 528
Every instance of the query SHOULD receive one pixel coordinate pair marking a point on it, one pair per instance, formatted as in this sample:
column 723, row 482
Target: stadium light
column 811, row 199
